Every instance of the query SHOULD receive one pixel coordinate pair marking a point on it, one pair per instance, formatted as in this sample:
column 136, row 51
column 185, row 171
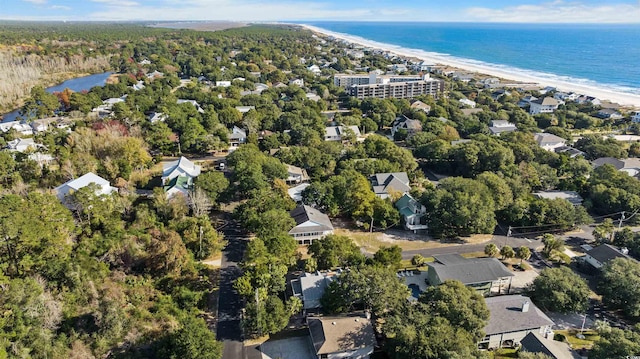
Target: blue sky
column 533, row 11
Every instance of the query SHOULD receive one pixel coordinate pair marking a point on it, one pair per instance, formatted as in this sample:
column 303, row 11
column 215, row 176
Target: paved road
column 229, row 302
column 469, row 248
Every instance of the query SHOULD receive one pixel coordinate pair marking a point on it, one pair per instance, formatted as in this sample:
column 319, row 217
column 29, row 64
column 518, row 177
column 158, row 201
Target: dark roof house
column 480, row 273
column 536, row 343
column 602, row 254
column 384, row 183
column 310, row 224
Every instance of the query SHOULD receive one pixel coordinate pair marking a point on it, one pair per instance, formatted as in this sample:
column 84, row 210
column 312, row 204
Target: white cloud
column 37, row 2
column 117, row 3
column 558, row 12
column 59, row 7
column 238, row 10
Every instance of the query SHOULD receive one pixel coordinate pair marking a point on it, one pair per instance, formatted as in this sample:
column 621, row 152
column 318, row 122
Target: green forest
column 121, row 275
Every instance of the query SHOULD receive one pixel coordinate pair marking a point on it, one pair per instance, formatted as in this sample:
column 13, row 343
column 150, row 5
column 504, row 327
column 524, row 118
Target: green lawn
column 591, row 337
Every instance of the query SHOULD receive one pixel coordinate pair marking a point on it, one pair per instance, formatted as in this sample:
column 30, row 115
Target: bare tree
column 199, row 201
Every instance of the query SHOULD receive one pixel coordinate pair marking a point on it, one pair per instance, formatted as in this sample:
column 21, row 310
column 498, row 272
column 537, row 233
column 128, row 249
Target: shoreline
column 620, row 98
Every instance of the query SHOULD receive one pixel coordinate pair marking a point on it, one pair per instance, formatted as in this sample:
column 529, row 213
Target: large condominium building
column 409, row 89
column 348, row 80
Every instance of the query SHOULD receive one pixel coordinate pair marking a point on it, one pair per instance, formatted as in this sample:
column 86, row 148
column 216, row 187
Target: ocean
column 603, row 56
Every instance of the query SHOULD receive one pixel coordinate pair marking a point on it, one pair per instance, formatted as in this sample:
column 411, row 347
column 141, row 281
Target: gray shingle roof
column 303, row 213
column 536, row 343
column 397, row 181
column 548, row 138
column 507, row 315
column 469, row 270
column 605, row 252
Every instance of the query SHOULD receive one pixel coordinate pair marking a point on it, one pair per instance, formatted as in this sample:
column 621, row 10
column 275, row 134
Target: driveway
column 290, row 348
column 570, row 321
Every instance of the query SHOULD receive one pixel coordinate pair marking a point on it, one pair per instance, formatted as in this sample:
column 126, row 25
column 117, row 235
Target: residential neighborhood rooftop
column 338, row 334
column 511, row 313
column 468, row 270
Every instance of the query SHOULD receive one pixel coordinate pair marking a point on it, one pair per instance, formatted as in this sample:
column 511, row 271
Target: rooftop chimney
column 525, row 306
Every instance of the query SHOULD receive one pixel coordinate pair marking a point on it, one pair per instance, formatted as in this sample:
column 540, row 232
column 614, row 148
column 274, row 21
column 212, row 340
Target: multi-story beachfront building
column 410, row 89
column 348, row 80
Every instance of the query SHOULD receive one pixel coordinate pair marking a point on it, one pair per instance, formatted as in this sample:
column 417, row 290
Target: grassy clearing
column 371, row 242
column 504, row 353
column 591, row 337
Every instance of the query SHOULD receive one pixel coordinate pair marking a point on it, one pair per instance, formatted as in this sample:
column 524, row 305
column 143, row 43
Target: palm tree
column 507, row 252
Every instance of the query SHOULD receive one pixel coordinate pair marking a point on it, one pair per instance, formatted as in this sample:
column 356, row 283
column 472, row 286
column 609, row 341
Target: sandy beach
column 624, row 99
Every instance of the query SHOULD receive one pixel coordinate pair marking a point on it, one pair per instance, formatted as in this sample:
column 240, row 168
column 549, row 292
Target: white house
column 182, row 167
column 315, row 69
column 154, row 75
column 311, row 224
column 609, row 114
column 526, row 101
column 336, row 133
column 602, row 254
column 511, row 318
column 193, row 102
column 467, row 102
column 245, row 109
column 499, row 126
column 237, row 137
column 629, row 165
column 310, row 287
column 103, row 186
column 23, row 145
column 342, row 337
column 296, row 192
column 296, row 174
column 548, row 141
column 20, row 127
column 572, row 196
column 297, row 82
column 223, row 83
column 636, row 117
column 157, row 117
column 545, row 105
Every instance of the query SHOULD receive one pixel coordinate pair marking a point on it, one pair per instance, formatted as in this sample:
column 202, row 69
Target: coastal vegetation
column 122, row 275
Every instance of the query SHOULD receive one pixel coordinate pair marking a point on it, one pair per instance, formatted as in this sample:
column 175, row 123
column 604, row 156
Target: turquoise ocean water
column 606, row 56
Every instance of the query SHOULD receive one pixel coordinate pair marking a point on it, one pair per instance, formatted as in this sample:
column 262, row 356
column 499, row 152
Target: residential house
column 296, row 174
column 349, row 336
column 193, row 102
column 404, row 123
column 497, row 127
column 629, row 165
column 245, row 109
column 419, row 105
column 296, row 192
column 512, row 318
column 544, row 105
column 609, row 114
column 485, row 275
column 635, row 117
column 43, row 124
column 297, row 82
column 154, row 75
column 313, row 97
column 412, row 213
column 384, row 184
column 22, row 128
column 157, row 117
column 548, row 141
column 526, row 101
column 311, row 224
column 573, row 197
column 138, row 86
column 237, row 137
column 499, row 93
column 180, row 185
column 144, row 62
column 310, row 287
column 588, row 99
column 182, row 167
column 315, row 69
column 67, row 188
column 536, row 343
column 572, row 152
column 604, row 253
column 336, row 133
column 467, row 102
column 566, row 96
column 23, row 145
